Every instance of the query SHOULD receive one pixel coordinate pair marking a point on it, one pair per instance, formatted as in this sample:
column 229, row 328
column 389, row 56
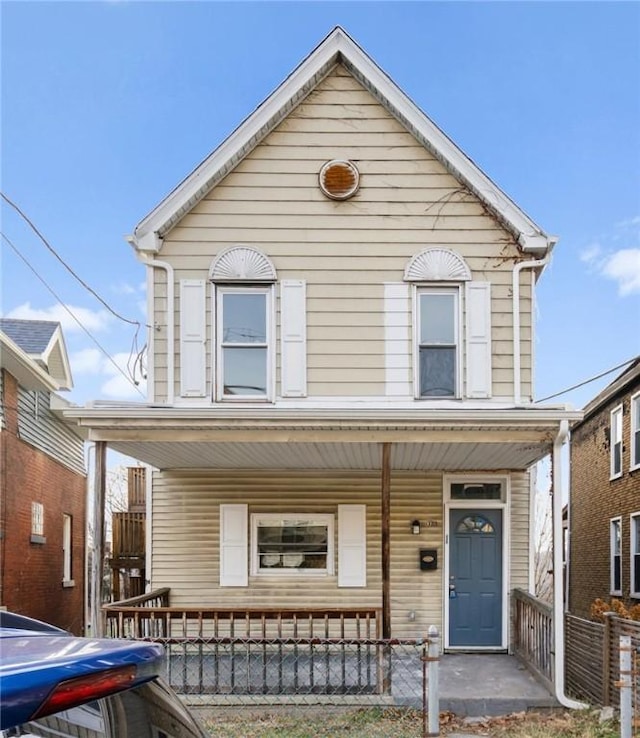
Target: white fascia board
column 337, row 46
column 57, row 341
column 24, row 368
column 244, row 417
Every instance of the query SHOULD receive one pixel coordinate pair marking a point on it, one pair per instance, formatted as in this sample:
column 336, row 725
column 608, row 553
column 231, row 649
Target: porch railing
column 215, row 649
column 150, row 616
column 533, row 634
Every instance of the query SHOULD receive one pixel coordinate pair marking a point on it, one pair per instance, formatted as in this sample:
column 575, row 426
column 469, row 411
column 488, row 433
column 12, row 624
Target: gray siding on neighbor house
column 40, row 428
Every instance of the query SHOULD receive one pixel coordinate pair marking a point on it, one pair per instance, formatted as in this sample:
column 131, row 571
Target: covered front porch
column 398, row 466
column 222, row 658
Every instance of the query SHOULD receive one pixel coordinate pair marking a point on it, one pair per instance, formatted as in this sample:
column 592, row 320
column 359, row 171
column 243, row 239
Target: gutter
column 532, row 264
column 148, row 261
column 558, row 605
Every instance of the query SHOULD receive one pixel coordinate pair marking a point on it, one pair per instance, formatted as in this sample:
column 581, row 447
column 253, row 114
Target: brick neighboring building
column 604, row 518
column 42, row 479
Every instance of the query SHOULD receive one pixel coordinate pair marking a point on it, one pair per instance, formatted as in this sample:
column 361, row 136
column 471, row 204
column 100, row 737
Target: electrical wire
column 75, row 318
column 33, row 227
column 588, row 381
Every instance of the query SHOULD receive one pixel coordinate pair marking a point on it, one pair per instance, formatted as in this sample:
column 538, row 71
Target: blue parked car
column 55, row 684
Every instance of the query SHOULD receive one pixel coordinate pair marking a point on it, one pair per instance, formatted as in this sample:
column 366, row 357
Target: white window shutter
column 192, row 338
column 352, row 546
column 293, row 338
column 234, row 541
column 478, row 339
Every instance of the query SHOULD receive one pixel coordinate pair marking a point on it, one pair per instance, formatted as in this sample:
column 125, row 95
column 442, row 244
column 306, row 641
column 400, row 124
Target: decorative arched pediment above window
column 242, row 264
column 437, row 265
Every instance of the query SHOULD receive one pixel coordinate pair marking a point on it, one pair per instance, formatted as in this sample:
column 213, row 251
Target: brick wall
column 595, row 499
column 31, row 573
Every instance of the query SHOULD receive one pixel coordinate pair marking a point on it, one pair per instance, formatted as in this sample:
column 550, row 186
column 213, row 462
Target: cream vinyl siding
column 186, row 539
column 346, row 251
column 519, row 554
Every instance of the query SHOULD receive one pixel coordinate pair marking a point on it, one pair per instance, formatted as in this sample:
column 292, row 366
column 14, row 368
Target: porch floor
column 489, row 684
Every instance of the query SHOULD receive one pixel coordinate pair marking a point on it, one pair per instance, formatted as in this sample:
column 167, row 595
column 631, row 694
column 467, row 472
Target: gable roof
column 33, row 348
column 337, row 48
column 624, row 382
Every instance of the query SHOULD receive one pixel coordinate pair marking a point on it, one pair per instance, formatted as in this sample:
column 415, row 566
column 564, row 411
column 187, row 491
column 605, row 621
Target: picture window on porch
column 475, row 524
column 292, row 545
column 616, row 442
column 615, row 542
column 635, row 554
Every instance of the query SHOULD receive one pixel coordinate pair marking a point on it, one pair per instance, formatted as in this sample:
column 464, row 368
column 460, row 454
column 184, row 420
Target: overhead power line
column 588, row 381
column 71, row 313
column 33, row 227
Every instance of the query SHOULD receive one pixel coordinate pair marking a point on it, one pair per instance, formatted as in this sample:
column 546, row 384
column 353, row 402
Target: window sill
column 635, row 469
column 37, row 539
column 616, row 593
column 67, row 583
column 615, row 476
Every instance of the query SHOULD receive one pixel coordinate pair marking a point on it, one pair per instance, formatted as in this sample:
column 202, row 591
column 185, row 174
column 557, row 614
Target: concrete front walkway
column 489, row 684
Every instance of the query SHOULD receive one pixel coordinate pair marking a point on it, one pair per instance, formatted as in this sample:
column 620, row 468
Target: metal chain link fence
column 304, row 686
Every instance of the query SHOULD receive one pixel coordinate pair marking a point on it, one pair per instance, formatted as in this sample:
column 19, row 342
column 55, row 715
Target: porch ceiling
column 364, row 456
column 326, row 438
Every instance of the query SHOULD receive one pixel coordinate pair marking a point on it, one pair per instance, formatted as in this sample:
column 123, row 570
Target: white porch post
column 557, row 490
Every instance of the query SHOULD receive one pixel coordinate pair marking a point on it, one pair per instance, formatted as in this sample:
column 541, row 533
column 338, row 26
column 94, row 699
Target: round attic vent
column 339, row 180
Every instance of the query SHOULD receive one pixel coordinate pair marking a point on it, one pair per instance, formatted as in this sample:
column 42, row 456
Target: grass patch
column 375, row 722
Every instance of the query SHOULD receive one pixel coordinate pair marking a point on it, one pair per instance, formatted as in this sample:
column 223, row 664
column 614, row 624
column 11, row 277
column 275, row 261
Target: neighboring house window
column 437, row 342
column 292, row 544
column 616, row 442
column 635, row 555
column 67, row 574
column 635, row 431
column 615, row 540
column 244, row 333
column 37, row 521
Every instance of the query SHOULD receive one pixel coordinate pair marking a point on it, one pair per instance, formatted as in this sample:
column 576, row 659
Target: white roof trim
column 24, row 367
column 337, row 47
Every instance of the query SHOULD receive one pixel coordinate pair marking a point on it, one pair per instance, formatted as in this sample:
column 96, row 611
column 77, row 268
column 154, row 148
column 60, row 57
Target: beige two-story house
column 340, row 408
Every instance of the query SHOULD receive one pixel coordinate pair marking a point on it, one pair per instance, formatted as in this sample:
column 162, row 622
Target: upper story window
column 243, row 281
column 438, row 332
column 635, row 431
column 616, row 442
column 451, row 327
column 244, row 341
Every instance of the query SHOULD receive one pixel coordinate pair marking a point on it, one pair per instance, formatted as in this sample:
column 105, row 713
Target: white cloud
column 87, row 361
column 591, row 253
column 123, row 288
column 119, row 385
column 624, row 268
column 92, row 320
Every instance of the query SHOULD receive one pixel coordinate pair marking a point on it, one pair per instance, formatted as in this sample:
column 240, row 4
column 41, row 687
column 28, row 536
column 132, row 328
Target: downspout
column 558, row 589
column 149, row 262
column 532, row 264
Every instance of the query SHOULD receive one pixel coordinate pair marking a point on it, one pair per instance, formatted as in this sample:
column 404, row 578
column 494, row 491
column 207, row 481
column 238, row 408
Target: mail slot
column 428, row 558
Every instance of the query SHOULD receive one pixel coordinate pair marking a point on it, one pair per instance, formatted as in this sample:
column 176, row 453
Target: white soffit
column 337, row 47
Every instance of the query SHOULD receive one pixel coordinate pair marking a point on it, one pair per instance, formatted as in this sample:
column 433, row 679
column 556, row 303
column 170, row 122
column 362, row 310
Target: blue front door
column 475, row 579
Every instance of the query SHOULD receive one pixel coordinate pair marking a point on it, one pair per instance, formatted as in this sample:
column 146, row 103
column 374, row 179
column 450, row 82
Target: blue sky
column 106, row 106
